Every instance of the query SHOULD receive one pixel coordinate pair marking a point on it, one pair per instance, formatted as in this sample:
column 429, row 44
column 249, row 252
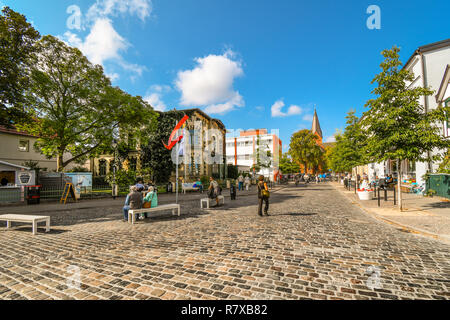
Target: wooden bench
column 208, row 199
column 34, row 220
column 132, row 213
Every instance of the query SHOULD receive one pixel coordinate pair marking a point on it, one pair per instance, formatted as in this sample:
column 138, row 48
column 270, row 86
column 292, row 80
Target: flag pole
column 176, row 183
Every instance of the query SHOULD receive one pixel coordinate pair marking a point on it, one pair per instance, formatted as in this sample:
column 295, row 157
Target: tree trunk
column 59, row 163
column 399, row 181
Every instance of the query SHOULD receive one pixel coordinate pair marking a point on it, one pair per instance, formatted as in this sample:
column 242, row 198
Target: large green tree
column 17, row 45
column 287, row 166
column 349, row 150
column 77, row 113
column 398, row 126
column 304, row 149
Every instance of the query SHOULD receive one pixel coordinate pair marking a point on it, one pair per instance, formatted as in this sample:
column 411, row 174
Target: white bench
column 132, row 213
column 208, row 199
column 34, row 220
column 188, row 187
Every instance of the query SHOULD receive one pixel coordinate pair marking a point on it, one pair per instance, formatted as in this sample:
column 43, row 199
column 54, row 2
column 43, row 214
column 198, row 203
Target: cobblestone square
column 314, row 245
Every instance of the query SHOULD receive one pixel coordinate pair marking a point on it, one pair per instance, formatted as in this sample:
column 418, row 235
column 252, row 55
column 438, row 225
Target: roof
column 14, row 131
column 191, row 111
column 444, row 85
column 316, row 125
column 428, row 48
column 13, row 165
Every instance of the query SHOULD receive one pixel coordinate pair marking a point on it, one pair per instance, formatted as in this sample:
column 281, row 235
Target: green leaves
column 17, row 39
column 287, row 166
column 78, row 113
column 304, row 149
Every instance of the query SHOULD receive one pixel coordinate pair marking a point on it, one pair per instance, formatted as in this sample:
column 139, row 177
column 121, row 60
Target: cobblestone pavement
column 315, row 245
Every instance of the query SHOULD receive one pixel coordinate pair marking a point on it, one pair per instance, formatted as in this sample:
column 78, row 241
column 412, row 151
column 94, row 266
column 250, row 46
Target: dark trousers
column 266, row 208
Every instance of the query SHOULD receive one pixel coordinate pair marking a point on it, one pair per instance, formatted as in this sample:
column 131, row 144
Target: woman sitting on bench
column 133, row 201
column 150, row 200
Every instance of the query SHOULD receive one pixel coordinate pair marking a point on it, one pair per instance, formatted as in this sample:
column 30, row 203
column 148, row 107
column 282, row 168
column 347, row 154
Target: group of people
column 136, row 200
column 244, row 181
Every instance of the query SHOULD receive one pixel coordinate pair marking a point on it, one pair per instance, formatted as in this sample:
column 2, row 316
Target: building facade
column 17, row 147
column 204, row 136
column 243, row 151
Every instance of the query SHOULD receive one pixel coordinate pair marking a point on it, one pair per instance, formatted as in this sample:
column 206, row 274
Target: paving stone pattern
column 315, row 245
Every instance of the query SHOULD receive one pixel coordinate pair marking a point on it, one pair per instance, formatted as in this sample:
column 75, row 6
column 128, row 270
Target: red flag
column 171, row 142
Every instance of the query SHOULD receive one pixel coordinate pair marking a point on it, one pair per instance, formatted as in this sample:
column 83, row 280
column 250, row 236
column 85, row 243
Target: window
column 24, row 145
column 102, row 167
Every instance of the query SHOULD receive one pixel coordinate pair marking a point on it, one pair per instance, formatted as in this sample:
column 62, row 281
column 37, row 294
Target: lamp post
column 114, row 186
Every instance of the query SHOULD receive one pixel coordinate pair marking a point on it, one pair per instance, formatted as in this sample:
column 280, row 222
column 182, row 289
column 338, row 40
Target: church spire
column 316, row 125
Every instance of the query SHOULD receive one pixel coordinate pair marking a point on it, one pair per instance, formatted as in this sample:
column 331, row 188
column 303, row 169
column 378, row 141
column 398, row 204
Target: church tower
column 316, row 127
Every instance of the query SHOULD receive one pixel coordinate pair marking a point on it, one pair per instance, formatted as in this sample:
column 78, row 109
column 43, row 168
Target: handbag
column 265, row 193
column 147, row 205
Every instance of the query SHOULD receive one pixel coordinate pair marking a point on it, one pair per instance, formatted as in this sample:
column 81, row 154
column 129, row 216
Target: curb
column 405, row 228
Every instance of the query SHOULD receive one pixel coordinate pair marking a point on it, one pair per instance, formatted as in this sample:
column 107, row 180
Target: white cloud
column 225, row 107
column 330, row 139
column 113, row 76
column 154, row 97
column 155, row 101
column 210, row 83
column 105, row 8
column 260, row 108
column 104, row 43
column 278, row 105
column 308, row 117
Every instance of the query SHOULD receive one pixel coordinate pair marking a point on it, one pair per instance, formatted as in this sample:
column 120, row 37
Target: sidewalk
column 422, row 215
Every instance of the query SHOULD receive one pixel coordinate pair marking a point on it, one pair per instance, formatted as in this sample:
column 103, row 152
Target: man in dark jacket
column 133, row 201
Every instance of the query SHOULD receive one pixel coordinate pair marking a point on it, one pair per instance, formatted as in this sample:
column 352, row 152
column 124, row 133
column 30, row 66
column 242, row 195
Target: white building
column 429, row 64
column 242, row 151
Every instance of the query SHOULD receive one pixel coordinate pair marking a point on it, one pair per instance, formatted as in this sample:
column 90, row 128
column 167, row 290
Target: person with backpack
column 263, row 196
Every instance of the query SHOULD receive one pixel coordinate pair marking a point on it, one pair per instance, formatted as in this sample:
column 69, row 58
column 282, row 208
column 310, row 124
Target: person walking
column 241, row 182
column 263, row 196
column 247, row 182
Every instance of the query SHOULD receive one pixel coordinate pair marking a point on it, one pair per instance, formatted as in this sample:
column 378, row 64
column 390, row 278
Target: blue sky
column 250, row 63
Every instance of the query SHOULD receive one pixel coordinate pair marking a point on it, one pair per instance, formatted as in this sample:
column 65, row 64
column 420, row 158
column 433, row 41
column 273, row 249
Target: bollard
column 355, row 186
column 394, row 196
column 378, row 196
column 385, row 193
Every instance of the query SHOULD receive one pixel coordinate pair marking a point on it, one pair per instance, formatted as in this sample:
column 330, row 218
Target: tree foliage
column 287, row 166
column 77, row 113
column 349, row 150
column 305, row 150
column 17, row 45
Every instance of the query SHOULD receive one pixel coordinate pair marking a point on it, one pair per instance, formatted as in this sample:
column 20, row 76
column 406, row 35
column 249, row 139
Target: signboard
column 68, row 190
column 25, row 178
column 81, row 181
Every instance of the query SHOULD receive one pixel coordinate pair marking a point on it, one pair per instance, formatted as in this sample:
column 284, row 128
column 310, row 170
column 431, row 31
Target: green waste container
column 439, row 183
